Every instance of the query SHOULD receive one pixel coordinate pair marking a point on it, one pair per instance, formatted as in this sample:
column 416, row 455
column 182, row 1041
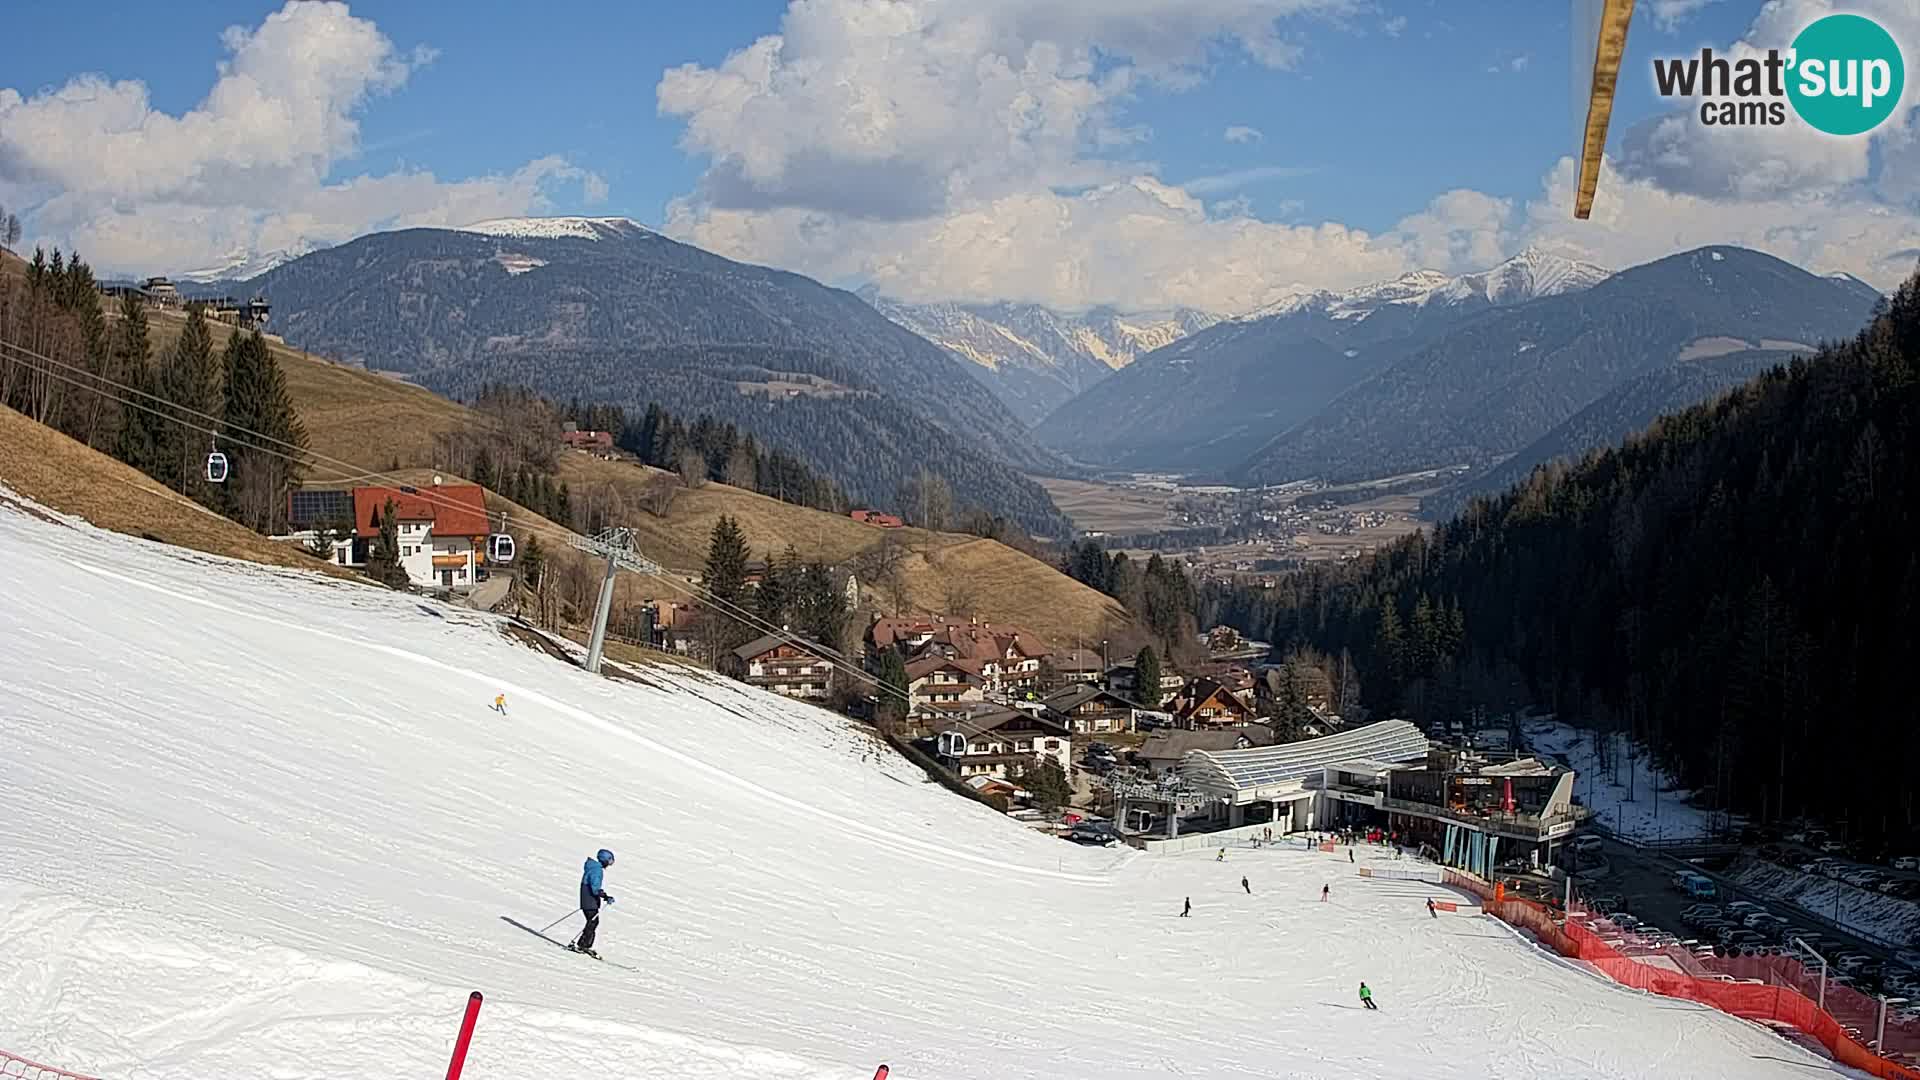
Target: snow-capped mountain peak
column 1530, row 274
column 241, row 264
column 1036, row 357
column 556, row 228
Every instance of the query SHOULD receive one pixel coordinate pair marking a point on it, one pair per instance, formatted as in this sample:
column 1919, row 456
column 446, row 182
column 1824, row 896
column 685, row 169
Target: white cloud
column 1395, row 26
column 1137, row 243
column 894, row 111
column 250, row 167
column 951, row 150
column 1669, row 14
column 1679, row 153
column 1637, row 220
column 1241, row 133
column 1239, row 178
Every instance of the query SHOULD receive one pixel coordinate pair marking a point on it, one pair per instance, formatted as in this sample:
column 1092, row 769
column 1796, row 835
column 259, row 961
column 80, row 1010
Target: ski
column 568, row 946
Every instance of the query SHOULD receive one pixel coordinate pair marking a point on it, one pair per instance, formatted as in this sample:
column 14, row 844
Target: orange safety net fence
column 1762, row 988
column 14, row 1066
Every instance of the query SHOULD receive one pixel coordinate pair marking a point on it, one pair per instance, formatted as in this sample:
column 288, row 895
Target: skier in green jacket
column 1366, row 997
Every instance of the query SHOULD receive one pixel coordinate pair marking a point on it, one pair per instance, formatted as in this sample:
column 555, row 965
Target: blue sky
column 1379, row 110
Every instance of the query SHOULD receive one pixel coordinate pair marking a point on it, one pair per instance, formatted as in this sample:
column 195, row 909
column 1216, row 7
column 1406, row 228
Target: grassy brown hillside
column 53, row 470
column 374, row 420
column 377, row 424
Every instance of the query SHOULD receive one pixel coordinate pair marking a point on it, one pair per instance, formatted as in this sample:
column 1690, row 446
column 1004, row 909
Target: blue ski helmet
column 605, row 857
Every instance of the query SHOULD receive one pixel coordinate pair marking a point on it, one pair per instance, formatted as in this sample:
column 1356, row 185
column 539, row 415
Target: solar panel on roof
column 1392, row 740
column 307, row 508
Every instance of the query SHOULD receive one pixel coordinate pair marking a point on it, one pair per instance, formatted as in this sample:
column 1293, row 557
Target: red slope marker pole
column 466, row 1036
column 882, row 1074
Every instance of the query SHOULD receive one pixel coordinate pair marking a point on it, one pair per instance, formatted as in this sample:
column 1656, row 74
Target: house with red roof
column 442, row 531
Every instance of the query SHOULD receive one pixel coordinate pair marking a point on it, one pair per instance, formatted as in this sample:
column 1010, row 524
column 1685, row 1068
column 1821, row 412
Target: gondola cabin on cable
column 500, row 549
column 216, row 468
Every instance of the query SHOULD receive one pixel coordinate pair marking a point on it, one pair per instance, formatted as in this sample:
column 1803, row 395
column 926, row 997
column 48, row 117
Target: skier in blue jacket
column 591, row 894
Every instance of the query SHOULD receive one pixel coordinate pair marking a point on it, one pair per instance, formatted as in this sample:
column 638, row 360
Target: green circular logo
column 1847, row 75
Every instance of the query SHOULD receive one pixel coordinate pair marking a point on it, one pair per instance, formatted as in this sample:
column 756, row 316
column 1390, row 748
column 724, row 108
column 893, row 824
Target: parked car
column 1906, row 862
column 1832, row 847
column 1604, row 904
column 1094, row 832
column 1852, row 963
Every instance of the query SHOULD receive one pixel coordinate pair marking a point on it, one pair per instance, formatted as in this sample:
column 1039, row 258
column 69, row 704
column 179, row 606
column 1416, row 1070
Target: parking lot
column 1642, row 880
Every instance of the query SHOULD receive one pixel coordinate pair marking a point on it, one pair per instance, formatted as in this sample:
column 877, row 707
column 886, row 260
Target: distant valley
column 1492, row 372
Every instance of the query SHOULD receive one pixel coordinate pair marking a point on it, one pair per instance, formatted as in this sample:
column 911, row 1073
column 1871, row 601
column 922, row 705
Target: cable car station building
column 1284, row 784
column 1473, row 812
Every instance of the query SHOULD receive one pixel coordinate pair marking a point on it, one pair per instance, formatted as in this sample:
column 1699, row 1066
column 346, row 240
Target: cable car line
column 352, row 471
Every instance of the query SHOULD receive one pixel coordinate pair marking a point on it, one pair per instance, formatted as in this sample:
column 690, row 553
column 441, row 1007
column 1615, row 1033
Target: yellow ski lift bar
column 1606, row 75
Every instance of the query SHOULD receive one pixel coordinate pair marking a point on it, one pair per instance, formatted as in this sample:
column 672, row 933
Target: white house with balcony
column 1001, row 743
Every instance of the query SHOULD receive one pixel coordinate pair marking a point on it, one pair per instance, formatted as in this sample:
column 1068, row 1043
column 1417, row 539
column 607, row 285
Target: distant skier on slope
column 1430, row 908
column 1325, row 891
column 591, row 895
column 1222, row 857
column 1244, row 885
column 1366, row 997
column 1187, row 908
column 1349, row 854
column 500, row 704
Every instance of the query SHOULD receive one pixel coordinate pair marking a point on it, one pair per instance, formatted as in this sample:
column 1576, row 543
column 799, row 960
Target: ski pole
column 556, row 922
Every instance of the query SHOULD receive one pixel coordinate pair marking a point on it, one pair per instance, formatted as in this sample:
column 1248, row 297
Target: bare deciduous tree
column 657, row 496
column 693, row 469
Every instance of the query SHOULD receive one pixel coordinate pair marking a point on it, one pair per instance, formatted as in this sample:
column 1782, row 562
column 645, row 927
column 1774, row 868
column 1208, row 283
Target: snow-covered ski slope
column 257, row 824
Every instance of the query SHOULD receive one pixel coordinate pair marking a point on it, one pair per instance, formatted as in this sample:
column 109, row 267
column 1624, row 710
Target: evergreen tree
column 1291, row 711
column 259, row 411
column 891, row 671
column 726, row 570
column 189, row 383
column 1047, row 784
column 383, row 555
column 1146, row 677
column 320, row 544
column 530, row 564
column 774, row 598
column 821, row 609
column 140, row 439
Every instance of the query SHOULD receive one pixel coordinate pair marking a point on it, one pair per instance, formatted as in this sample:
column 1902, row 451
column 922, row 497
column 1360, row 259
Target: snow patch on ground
column 1887, row 919
column 516, row 264
column 1675, row 818
column 254, row 822
column 555, row 228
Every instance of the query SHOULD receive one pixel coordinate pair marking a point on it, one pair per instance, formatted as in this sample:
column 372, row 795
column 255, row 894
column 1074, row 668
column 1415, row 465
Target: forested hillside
column 1739, row 587
column 1494, row 384
column 614, row 312
column 1622, row 412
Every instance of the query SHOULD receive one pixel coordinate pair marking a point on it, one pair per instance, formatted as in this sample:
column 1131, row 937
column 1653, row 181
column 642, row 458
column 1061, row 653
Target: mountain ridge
column 1036, row 358
column 1244, row 380
column 608, row 310
column 1496, row 382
